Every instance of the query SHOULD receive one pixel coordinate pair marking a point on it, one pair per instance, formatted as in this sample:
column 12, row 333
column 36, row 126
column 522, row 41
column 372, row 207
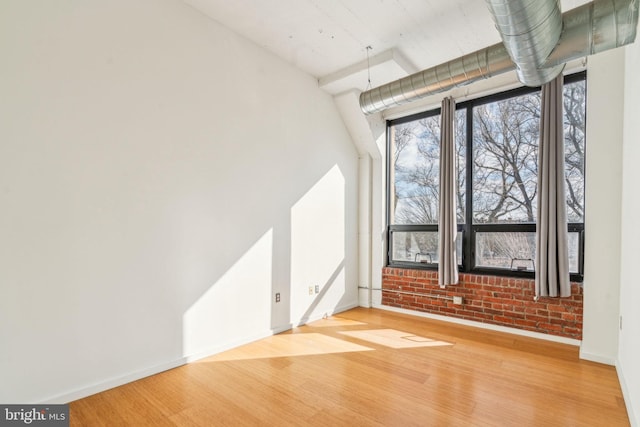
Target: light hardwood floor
column 372, row 367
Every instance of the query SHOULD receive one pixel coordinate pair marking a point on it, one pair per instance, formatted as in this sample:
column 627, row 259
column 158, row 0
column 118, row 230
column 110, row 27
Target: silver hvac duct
column 478, row 65
column 594, row 27
column 529, row 29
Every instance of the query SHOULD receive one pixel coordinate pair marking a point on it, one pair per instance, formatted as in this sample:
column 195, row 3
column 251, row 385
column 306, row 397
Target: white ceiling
column 328, row 38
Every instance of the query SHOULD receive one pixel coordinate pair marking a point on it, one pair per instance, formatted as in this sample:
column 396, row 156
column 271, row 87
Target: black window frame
column 469, row 229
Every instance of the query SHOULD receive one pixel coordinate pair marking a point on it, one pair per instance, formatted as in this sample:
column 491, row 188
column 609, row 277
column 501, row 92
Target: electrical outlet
column 317, row 289
column 457, row 300
column 310, row 290
column 277, row 296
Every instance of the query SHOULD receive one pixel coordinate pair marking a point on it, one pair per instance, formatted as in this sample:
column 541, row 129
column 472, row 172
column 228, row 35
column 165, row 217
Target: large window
column 497, row 167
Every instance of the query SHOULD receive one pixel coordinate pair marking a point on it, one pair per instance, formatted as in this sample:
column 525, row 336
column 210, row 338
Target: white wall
column 629, row 345
column 603, row 192
column 365, row 131
column 161, row 179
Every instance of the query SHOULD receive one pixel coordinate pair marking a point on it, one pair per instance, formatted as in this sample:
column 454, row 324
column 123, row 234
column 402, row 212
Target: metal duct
column 595, row 27
column 529, row 29
column 478, row 65
column 592, row 28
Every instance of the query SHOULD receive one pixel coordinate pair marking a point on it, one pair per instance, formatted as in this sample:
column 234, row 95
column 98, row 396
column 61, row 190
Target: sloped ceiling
column 328, row 39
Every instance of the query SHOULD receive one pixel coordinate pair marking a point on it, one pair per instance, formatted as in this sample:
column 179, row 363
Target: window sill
column 573, row 277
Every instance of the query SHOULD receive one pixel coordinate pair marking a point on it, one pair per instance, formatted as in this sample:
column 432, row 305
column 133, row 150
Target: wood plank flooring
column 369, row 367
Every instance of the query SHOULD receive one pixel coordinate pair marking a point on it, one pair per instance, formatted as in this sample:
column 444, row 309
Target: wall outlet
column 277, row 296
column 317, row 289
column 457, row 300
column 310, row 290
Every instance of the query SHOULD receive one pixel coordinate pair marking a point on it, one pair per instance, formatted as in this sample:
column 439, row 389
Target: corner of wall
column 626, row 394
column 603, row 195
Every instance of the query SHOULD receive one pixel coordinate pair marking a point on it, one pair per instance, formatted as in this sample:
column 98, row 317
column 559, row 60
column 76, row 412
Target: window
column 497, row 166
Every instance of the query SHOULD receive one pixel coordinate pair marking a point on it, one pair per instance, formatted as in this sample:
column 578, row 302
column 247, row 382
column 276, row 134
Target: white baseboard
column 115, row 382
column 481, row 325
column 210, row 351
column 143, row 373
column 625, row 395
column 584, row 355
column 314, row 317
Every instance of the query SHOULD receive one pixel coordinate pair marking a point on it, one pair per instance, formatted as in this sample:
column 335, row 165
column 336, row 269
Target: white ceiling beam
column 383, row 67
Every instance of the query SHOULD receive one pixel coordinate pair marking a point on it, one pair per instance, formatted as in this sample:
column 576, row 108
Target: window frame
column 469, row 229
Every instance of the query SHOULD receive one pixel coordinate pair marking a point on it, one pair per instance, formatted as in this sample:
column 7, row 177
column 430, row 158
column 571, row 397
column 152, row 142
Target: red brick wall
column 504, row 301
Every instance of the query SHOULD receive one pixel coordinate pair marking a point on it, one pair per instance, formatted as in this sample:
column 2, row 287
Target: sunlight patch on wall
column 219, row 315
column 318, row 246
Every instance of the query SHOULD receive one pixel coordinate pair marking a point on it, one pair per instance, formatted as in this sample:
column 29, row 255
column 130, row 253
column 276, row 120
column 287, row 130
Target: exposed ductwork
column 478, row 65
column 529, row 29
column 594, row 27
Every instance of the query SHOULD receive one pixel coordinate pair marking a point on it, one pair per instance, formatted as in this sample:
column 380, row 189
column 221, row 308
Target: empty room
column 319, row 212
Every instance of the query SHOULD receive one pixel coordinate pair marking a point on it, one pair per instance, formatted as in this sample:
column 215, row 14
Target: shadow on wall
column 154, row 198
column 301, row 256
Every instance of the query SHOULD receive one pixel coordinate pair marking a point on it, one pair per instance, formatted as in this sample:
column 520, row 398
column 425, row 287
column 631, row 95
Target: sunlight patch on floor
column 288, row 345
column 395, row 339
column 334, row 321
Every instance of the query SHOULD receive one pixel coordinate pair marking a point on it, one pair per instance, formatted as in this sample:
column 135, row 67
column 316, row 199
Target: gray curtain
column 552, row 255
column 447, row 227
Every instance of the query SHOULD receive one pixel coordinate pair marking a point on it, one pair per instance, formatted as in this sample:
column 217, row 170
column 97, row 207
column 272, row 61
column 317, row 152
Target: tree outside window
column 497, row 161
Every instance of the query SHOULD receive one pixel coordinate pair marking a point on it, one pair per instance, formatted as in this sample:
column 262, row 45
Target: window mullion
column 501, row 233
column 469, row 238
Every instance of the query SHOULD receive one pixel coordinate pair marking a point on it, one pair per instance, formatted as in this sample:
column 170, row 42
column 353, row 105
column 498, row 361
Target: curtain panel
column 447, row 227
column 552, row 254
